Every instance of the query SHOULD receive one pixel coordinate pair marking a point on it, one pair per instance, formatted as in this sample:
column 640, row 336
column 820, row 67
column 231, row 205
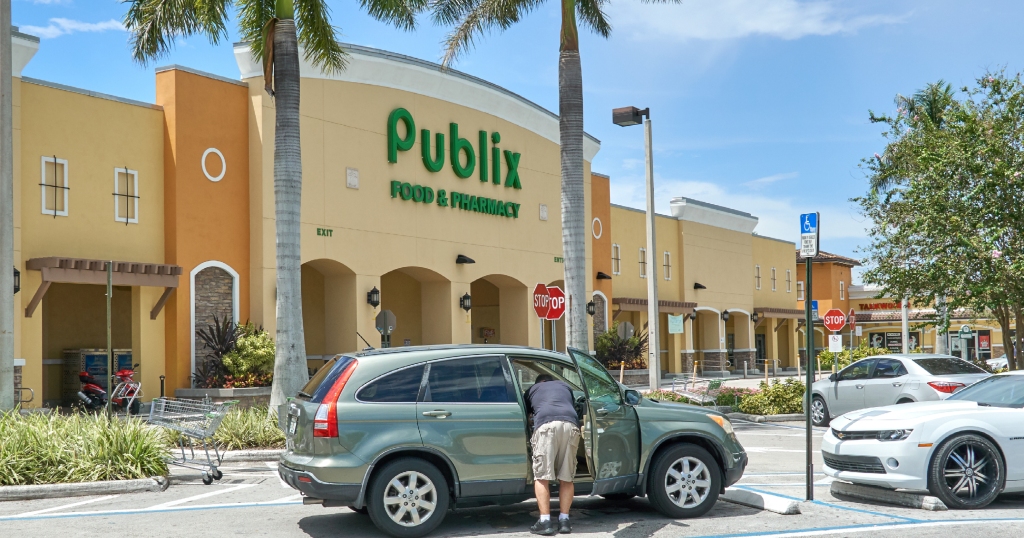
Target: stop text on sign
column 549, row 302
column 834, row 320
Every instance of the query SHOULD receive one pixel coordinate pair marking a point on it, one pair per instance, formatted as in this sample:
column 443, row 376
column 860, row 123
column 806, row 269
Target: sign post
column 853, row 326
column 541, row 304
column 809, row 234
column 834, row 321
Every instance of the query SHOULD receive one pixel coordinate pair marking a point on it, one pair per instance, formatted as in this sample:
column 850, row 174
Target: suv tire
column 400, row 516
column 948, row 477
column 685, row 482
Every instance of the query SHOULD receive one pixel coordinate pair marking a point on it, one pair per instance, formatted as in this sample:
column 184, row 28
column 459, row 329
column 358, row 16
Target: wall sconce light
column 692, row 315
column 17, row 280
column 373, row 297
column 699, row 286
column 591, row 308
column 725, row 315
column 754, row 317
column 603, row 276
column 460, row 259
column 466, row 302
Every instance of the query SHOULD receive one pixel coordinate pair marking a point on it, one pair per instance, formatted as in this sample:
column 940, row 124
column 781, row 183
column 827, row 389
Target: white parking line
column 221, row 491
column 64, row 506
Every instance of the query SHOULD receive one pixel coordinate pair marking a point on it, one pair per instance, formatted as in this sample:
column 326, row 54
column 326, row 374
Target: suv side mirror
column 832, row 377
column 633, row 397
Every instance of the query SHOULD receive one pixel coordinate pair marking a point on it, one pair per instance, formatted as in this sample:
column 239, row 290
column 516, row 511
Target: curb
column 252, row 455
column 794, row 417
column 81, row 489
column 761, row 501
column 875, row 493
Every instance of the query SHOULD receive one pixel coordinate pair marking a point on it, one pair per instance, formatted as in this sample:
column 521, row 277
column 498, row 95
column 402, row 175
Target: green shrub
column 242, row 429
column 728, row 397
column 612, row 350
column 56, row 449
column 251, row 362
column 775, row 399
column 847, row 356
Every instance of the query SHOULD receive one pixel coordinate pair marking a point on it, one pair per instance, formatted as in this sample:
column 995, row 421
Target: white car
column 998, row 363
column 890, row 379
column 965, row 450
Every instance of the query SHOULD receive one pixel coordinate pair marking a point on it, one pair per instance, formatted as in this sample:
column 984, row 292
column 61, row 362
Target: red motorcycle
column 125, row 396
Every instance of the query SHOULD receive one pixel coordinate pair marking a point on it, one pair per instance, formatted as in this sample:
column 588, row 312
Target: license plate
column 292, row 424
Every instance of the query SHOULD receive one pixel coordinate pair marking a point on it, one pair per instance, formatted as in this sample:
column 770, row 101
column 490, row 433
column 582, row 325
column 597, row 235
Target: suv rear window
column 324, row 379
column 948, row 366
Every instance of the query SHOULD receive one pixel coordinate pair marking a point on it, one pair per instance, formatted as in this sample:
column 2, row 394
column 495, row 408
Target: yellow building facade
column 423, row 185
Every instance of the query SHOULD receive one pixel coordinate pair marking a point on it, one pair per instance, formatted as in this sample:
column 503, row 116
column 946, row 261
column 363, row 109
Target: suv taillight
column 948, row 387
column 325, row 423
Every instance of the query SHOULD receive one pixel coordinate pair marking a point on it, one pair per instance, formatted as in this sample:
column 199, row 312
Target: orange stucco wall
column 204, row 220
column 601, row 208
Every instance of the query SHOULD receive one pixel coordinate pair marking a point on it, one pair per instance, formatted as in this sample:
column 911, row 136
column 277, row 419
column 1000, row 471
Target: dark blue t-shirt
column 551, row 401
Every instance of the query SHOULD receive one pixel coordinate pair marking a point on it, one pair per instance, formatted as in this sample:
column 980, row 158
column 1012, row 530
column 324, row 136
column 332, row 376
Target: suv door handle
column 860, row 386
column 437, row 414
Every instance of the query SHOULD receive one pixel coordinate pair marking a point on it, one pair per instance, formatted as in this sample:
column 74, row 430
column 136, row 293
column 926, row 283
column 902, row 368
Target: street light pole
column 625, row 117
column 7, row 396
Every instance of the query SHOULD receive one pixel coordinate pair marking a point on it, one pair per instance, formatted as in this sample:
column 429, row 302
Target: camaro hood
column 907, row 415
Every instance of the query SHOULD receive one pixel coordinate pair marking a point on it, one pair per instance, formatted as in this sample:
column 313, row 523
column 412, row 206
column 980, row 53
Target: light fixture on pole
column 466, row 302
column 373, row 297
column 625, row 117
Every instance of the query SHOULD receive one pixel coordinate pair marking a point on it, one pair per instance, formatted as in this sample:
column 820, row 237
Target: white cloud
column 712, row 20
column 59, row 27
column 768, row 180
column 777, row 215
column 51, row 2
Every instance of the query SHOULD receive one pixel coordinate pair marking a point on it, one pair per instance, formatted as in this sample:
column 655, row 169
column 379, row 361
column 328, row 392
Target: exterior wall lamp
column 692, row 315
column 462, row 258
column 17, row 280
column 591, row 308
column 699, row 286
column 603, row 276
column 466, row 302
column 373, row 297
column 725, row 315
column 754, row 317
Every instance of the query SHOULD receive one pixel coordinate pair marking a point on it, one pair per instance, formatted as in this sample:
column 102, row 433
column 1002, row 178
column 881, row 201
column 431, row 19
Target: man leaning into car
column 556, row 436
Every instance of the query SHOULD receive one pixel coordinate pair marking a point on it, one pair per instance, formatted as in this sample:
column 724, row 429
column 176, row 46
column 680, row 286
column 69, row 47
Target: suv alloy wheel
column 408, row 498
column 685, row 482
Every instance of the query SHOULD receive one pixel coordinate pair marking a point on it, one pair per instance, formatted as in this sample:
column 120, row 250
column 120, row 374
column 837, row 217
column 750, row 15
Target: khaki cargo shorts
column 554, row 451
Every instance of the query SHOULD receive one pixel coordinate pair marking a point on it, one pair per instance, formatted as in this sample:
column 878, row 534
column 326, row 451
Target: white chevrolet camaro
column 965, row 450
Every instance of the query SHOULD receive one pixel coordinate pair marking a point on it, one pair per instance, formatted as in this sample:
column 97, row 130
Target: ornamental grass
column 56, row 449
column 243, row 429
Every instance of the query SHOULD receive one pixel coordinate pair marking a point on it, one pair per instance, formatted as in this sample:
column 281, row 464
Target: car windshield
column 996, row 391
column 948, row 366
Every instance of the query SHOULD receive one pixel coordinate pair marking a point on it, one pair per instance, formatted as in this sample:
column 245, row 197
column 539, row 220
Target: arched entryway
column 500, row 313
column 423, row 303
column 214, row 295
column 601, row 323
column 738, row 341
column 709, row 340
column 328, row 310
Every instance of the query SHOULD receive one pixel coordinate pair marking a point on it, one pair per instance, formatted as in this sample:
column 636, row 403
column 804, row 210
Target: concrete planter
column 633, row 378
column 248, row 397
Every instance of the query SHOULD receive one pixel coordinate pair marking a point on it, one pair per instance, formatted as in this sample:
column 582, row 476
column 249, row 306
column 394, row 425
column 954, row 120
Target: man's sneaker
column 544, row 528
column 564, row 527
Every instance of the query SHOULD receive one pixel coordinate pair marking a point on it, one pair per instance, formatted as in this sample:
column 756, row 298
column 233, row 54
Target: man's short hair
column 545, row 377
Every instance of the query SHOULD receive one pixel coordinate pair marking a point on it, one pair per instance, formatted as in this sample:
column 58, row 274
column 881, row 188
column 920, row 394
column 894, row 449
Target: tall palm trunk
column 290, row 373
column 570, row 127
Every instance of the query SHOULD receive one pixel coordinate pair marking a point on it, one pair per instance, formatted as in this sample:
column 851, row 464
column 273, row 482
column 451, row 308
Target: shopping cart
column 196, row 421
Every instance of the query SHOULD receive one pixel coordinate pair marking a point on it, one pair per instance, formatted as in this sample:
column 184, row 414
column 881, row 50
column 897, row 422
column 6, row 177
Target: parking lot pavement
column 251, row 500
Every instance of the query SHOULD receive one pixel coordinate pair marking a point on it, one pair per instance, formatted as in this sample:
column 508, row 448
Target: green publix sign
column 459, row 149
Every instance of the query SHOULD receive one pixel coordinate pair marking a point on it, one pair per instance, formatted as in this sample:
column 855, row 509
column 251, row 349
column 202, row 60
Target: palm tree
column 472, row 18
column 276, row 30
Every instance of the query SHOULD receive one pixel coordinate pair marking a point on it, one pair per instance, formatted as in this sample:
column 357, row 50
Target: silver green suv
column 405, row 434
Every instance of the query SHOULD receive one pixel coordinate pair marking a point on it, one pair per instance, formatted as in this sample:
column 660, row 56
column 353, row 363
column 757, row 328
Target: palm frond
column 476, row 17
column 401, row 13
column 591, row 15
column 317, row 37
column 450, row 12
column 154, row 25
column 252, row 16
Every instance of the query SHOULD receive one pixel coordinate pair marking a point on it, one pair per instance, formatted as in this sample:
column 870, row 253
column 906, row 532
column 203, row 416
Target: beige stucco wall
column 772, row 253
column 629, row 231
column 344, row 125
column 721, row 260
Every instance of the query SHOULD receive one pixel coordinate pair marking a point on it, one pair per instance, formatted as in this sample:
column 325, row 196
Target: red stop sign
column 541, row 301
column 835, row 320
column 557, row 304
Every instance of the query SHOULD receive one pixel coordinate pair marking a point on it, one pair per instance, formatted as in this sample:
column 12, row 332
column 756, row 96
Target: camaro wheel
column 819, row 412
column 966, row 472
column 685, row 482
column 408, row 498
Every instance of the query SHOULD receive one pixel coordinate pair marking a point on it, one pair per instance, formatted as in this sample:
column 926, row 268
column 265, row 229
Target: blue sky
column 759, row 105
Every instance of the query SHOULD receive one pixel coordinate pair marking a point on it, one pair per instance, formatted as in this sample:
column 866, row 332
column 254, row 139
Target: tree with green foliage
column 275, row 30
column 473, row 18
column 946, row 203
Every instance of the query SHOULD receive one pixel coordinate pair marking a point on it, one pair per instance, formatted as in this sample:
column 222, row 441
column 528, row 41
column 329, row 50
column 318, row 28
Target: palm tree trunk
column 570, row 126
column 290, row 373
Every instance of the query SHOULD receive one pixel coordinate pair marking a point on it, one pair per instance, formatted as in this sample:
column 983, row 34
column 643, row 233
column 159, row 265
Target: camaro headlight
column 893, row 435
column 724, row 423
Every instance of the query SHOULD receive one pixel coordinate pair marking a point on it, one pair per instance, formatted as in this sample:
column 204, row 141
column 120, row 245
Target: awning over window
column 779, row 313
column 633, row 304
column 82, row 271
